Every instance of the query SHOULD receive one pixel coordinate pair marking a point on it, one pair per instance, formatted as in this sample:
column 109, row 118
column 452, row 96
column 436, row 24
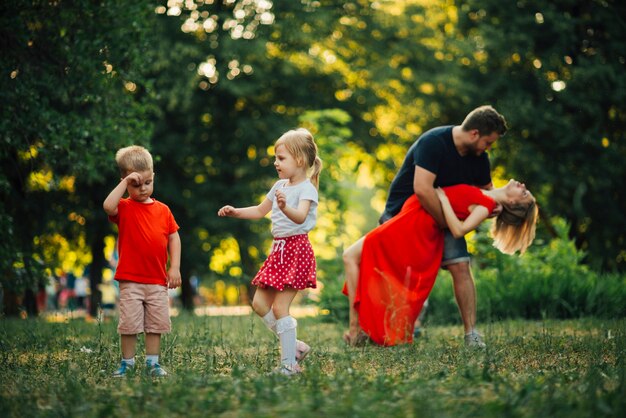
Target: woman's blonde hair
column 514, row 228
column 300, row 143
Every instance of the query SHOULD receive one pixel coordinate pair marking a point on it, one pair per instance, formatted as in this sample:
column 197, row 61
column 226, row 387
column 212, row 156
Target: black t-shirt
column 434, row 151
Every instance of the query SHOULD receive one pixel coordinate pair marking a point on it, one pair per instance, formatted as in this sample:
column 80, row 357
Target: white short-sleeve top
column 282, row 226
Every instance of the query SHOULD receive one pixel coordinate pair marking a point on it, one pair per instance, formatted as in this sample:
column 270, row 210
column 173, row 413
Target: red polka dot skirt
column 291, row 263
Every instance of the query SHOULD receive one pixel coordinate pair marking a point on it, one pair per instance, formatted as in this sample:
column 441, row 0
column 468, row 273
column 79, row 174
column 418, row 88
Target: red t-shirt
column 144, row 230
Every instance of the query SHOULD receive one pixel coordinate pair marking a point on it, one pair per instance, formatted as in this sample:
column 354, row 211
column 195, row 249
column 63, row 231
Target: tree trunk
column 95, row 270
column 10, row 303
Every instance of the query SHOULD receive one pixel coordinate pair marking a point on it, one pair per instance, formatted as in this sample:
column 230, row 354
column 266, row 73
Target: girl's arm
column 457, row 227
column 251, row 212
column 297, row 215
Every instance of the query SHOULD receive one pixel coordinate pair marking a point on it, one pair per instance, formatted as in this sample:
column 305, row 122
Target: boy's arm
column 113, row 199
column 173, row 273
column 251, row 212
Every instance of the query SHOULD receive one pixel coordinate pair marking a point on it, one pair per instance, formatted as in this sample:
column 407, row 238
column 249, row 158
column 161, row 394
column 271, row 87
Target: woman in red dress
column 391, row 271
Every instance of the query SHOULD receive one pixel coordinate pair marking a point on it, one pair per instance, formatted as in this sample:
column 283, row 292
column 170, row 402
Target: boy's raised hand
column 134, row 178
column 227, row 211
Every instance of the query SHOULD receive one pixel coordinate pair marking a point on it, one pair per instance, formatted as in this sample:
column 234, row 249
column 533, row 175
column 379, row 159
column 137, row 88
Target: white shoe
column 475, row 340
column 287, row 370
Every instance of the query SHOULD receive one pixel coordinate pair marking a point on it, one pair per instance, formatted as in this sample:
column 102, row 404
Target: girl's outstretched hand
column 227, row 211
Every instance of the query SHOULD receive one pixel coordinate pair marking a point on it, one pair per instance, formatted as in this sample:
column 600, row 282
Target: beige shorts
column 143, row 308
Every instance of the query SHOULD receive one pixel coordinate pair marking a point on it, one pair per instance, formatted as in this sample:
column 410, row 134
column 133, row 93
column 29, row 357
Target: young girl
column 391, row 271
column 291, row 264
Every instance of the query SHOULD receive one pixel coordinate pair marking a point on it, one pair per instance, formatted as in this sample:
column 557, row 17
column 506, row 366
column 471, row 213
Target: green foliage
column 72, row 93
column 220, row 366
column 555, row 69
column 332, row 302
column 210, row 85
column 549, row 281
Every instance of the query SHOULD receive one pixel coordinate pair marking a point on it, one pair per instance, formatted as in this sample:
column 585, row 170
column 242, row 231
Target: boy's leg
column 153, row 344
column 157, row 322
column 129, row 325
column 129, row 345
column 352, row 263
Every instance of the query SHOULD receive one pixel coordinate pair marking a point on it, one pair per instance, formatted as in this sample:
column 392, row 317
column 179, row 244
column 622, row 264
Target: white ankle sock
column 152, row 359
column 129, row 361
column 286, row 330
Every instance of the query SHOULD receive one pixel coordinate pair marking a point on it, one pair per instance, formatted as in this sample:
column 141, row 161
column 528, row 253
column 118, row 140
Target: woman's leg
column 352, row 263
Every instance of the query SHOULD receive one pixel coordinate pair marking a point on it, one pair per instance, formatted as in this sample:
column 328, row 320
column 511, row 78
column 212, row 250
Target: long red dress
column 399, row 265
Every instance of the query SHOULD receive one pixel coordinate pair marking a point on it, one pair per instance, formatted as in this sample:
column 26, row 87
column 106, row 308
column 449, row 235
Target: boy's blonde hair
column 514, row 228
column 133, row 158
column 300, row 143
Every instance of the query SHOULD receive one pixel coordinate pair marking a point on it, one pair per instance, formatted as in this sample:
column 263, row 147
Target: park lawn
column 220, row 367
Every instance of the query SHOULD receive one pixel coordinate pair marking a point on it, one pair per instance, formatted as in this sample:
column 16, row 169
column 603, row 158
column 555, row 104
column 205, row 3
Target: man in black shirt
column 446, row 156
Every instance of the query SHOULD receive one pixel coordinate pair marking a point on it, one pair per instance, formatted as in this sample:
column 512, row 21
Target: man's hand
column 496, row 211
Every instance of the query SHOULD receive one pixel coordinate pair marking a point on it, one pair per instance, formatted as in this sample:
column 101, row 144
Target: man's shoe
column 474, row 340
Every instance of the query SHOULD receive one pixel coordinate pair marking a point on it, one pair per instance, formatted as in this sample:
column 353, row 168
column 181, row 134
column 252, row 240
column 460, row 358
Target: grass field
column 220, row 367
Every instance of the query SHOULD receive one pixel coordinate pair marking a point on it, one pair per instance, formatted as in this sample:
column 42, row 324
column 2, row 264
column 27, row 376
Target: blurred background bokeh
column 209, row 85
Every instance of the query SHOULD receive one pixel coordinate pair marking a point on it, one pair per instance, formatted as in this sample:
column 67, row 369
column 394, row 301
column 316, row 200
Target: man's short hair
column 486, row 120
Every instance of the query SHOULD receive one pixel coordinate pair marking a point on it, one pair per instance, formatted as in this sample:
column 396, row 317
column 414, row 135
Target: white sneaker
column 475, row 340
column 287, row 370
column 302, row 350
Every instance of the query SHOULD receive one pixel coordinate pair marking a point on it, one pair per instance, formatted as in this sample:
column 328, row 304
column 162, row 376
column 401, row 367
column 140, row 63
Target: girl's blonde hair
column 514, row 228
column 133, row 158
column 300, row 143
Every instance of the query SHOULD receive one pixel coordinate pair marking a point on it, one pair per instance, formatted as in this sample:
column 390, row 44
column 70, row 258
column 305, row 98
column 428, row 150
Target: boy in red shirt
column 147, row 233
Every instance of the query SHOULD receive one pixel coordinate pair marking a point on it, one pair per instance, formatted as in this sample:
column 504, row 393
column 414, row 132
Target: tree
column 71, row 73
column 556, row 69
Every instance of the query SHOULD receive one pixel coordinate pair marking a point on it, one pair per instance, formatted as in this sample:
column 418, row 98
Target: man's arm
column 423, row 181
